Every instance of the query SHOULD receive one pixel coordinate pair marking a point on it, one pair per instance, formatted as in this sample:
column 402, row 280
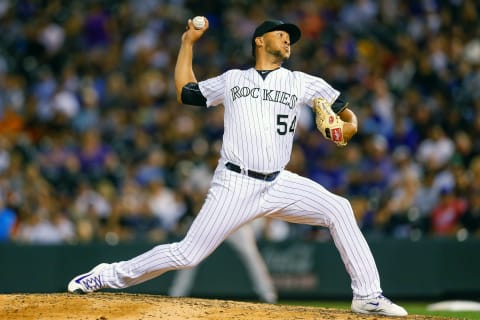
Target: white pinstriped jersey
column 261, row 115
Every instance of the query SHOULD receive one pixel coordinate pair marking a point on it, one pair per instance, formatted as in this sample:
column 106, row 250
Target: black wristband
column 339, row 105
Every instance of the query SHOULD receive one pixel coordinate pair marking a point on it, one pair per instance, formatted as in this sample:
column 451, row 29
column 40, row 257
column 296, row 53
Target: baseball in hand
column 198, row 22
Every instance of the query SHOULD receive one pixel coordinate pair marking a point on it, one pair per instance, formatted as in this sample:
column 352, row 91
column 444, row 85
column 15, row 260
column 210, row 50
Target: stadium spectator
column 8, row 220
column 86, row 95
column 447, row 214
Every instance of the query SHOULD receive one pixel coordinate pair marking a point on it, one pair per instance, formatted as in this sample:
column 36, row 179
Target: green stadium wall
column 427, row 269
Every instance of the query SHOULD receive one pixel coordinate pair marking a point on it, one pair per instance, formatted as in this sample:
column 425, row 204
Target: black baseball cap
column 272, row 25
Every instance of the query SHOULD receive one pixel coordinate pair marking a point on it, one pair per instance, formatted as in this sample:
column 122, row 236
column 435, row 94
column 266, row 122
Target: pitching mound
column 115, row 306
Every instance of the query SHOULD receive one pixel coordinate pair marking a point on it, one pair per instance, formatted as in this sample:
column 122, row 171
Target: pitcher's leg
column 232, row 201
column 355, row 252
column 146, row 266
column 305, row 201
column 207, row 232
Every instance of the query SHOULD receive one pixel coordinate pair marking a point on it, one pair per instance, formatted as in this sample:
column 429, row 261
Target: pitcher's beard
column 279, row 56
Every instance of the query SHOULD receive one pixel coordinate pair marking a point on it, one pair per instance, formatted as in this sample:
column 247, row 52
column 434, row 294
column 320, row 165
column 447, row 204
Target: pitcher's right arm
column 183, row 69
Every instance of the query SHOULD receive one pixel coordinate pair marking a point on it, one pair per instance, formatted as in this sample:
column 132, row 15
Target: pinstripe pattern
column 303, row 201
column 244, row 243
column 252, row 106
column 236, row 199
column 258, row 136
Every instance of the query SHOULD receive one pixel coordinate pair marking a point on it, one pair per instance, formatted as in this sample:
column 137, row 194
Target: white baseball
column 198, row 22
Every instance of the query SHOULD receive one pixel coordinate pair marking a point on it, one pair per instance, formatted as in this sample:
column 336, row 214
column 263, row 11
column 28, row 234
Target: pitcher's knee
column 346, row 205
column 184, row 257
column 188, row 263
column 342, row 211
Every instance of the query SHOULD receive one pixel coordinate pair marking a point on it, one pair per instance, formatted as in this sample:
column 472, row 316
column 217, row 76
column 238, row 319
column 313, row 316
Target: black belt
column 253, row 174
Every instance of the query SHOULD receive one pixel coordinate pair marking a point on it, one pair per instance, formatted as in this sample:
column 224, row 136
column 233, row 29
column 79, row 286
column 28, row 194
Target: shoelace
column 93, row 283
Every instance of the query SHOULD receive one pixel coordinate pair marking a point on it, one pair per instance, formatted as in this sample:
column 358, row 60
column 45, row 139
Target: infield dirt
column 122, row 306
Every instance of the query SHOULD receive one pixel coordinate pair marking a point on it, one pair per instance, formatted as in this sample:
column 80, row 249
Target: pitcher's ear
column 259, row 41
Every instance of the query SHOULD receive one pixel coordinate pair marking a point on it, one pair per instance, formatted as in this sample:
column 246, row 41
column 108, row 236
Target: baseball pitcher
column 262, row 105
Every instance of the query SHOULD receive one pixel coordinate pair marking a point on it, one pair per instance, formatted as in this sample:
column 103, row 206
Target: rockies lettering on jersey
column 261, row 115
column 282, row 97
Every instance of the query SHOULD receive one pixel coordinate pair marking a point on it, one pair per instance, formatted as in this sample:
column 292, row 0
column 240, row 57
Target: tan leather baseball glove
column 328, row 122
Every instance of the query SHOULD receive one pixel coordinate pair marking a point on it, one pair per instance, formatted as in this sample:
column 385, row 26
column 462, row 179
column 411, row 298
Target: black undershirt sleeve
column 339, row 105
column 192, row 95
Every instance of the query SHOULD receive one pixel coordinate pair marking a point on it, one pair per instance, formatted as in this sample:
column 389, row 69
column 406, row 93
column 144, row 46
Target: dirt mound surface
column 122, row 306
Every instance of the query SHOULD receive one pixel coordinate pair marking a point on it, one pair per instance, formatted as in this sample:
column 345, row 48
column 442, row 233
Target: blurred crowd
column 94, row 146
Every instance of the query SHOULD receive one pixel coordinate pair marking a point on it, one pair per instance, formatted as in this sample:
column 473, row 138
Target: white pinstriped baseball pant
column 244, row 243
column 235, row 199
